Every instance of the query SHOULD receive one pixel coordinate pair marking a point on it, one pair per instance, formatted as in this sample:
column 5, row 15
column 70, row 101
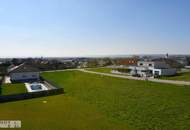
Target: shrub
column 123, row 70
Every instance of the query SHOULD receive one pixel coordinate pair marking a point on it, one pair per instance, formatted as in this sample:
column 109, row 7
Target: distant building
column 128, row 61
column 187, row 67
column 23, row 73
column 182, row 60
column 152, row 68
column 167, row 56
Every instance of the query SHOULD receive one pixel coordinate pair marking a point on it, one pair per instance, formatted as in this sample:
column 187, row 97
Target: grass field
column 103, row 70
column 17, row 88
column 180, row 76
column 104, row 103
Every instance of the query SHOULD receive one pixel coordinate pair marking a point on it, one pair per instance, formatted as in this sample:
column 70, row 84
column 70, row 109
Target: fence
column 0, row 85
column 16, row 97
column 22, row 96
column 1, row 82
column 50, row 82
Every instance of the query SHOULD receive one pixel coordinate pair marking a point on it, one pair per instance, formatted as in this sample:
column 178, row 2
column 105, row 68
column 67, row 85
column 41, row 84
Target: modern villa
column 23, row 73
column 152, row 69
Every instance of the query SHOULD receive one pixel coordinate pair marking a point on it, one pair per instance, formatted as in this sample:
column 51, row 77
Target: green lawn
column 94, row 102
column 17, row 88
column 103, row 70
column 180, row 76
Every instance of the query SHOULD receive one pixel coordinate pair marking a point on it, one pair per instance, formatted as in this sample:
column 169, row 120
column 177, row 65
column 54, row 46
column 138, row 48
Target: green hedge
column 123, row 70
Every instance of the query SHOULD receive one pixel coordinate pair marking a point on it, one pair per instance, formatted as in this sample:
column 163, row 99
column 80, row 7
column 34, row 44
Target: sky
column 62, row 28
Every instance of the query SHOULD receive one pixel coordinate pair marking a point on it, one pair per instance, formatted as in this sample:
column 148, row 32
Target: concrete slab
column 7, row 80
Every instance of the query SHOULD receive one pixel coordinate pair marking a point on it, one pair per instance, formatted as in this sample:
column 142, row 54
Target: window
column 141, row 64
column 150, row 65
column 33, row 75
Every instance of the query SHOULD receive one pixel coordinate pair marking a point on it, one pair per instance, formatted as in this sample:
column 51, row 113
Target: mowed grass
column 94, row 102
column 62, row 112
column 106, row 70
column 8, row 89
column 180, row 76
column 140, row 104
column 102, row 70
column 57, row 113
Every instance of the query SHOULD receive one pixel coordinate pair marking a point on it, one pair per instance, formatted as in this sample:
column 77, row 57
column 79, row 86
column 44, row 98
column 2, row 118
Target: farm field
column 17, row 88
column 100, row 103
column 185, row 76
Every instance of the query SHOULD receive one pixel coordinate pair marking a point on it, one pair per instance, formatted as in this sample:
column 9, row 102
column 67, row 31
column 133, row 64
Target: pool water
column 36, row 86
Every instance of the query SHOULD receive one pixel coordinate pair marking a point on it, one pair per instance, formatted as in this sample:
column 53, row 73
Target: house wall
column 128, row 61
column 141, row 71
column 157, row 72
column 153, row 64
column 160, row 65
column 168, row 72
column 145, row 64
column 164, row 72
column 24, row 76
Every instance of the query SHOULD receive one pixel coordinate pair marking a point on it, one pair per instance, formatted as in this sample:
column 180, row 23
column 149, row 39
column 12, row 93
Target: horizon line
column 93, row 56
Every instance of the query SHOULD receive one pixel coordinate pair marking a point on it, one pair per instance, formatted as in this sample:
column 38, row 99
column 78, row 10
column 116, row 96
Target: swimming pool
column 35, row 87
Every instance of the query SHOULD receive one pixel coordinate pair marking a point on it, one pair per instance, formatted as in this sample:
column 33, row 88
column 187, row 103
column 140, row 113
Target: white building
column 23, row 73
column 152, row 68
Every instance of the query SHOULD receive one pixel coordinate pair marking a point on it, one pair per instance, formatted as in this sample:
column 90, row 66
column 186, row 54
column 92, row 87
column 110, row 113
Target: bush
column 1, row 80
column 123, row 70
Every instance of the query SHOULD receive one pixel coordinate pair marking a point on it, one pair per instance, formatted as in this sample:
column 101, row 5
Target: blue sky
column 93, row 27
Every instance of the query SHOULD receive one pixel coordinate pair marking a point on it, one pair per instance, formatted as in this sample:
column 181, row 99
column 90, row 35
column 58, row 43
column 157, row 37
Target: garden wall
column 1, row 82
column 15, row 97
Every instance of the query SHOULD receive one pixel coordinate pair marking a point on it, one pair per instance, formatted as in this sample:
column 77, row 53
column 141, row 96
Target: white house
column 152, row 68
column 23, row 73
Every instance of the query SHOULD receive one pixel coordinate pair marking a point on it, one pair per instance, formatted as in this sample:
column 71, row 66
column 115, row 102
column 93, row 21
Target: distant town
column 120, row 87
column 43, row 64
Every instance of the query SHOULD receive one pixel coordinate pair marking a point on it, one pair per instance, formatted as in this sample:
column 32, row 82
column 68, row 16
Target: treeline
column 3, row 68
column 99, row 62
column 122, row 70
column 41, row 64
